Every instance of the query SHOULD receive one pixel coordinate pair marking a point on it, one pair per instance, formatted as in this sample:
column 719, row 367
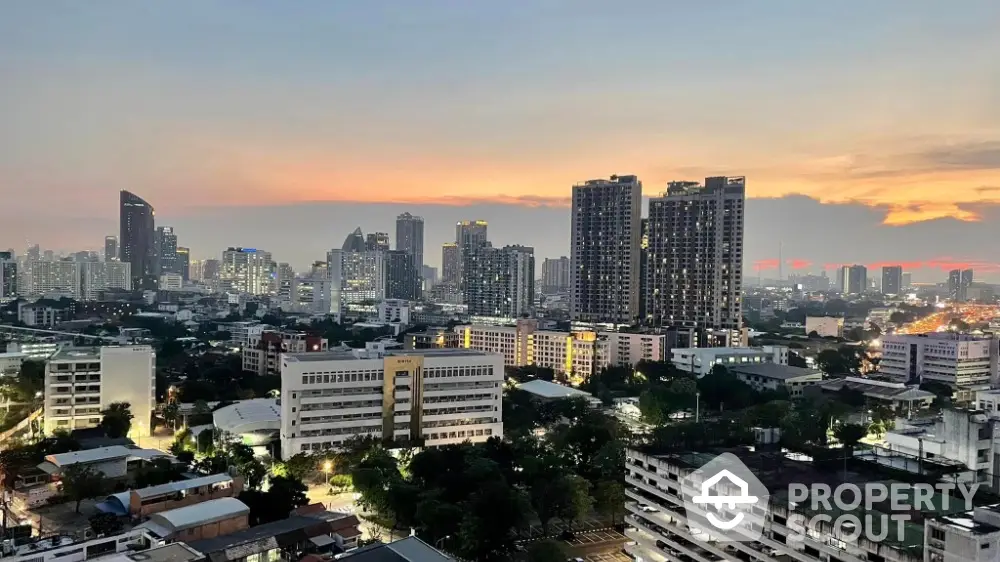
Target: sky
column 869, row 132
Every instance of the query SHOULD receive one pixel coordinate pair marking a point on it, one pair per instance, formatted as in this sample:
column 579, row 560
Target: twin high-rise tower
column 680, row 270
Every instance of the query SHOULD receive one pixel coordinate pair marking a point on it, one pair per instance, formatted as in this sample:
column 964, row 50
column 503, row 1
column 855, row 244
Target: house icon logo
column 724, row 501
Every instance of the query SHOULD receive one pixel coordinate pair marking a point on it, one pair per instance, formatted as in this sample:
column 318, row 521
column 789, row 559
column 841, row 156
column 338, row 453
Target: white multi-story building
column 246, row 270
column 101, row 276
column 394, row 310
column 241, row 332
column 82, row 381
column 700, row 360
column 955, row 359
column 171, row 282
column 579, row 353
column 439, row 397
column 39, row 278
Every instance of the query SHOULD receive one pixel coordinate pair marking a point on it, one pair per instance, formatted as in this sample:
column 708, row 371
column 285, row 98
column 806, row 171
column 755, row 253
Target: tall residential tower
column 605, row 231
column 137, row 239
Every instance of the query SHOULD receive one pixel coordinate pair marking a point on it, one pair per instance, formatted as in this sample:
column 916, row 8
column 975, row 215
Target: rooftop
column 878, row 389
column 281, row 533
column 410, row 549
column 77, row 354
column 200, row 514
column 248, row 415
column 174, row 552
column 373, row 355
column 91, row 455
column 182, row 485
column 546, row 389
column 773, row 370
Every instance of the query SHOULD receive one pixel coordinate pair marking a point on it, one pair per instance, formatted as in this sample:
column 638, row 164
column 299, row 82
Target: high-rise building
column 892, row 280
column 429, row 275
column 81, row 382
column 695, row 255
column 183, row 263
column 285, row 284
column 210, row 269
column 364, row 277
column 410, row 238
column 644, row 271
column 499, row 282
column 96, row 277
column 110, row 248
column 8, row 276
column 605, row 250
column 852, row 279
column 470, row 234
column 401, row 278
column 451, row 263
column 246, row 270
column 355, row 241
column 55, row 278
column 166, row 250
column 959, row 281
column 137, row 239
column 907, row 280
column 555, row 274
column 433, row 396
column 377, row 242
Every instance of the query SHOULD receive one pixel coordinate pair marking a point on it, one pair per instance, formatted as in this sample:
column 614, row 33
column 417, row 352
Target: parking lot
column 610, row 557
column 595, row 537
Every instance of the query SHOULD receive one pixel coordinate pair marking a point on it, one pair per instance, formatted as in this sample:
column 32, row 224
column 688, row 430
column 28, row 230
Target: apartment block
column 605, row 238
column 434, row 396
column 80, row 382
column 499, row 282
column 695, row 255
column 957, row 360
column 246, row 270
column 262, row 355
column 701, row 360
column 97, row 277
column 579, row 353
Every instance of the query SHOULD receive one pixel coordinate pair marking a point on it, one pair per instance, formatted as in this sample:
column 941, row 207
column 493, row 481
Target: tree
column 171, row 414
column 849, row 434
column 545, row 551
column 284, row 495
column 117, row 419
column 106, row 524
column 795, row 360
column 80, row 483
column 609, row 497
column 302, row 466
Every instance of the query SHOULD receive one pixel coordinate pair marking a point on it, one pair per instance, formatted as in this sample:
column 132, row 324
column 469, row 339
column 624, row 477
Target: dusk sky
column 869, row 131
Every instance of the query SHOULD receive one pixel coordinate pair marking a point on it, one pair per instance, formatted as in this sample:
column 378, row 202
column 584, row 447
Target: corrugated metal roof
column 182, row 485
column 200, row 513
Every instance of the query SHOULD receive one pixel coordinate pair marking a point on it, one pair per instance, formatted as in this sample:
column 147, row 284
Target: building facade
column 605, row 236
column 695, row 255
column 55, row 278
column 246, row 270
column 701, row 360
column 852, row 279
column 957, row 360
column 892, row 280
column 402, row 278
column 137, row 237
column 262, row 355
column 8, row 276
column 436, row 397
column 110, row 248
column 410, row 238
column 97, row 277
column 825, row 326
column 451, row 263
column 499, row 282
column 555, row 274
column 81, row 382
column 166, row 250
column 959, row 281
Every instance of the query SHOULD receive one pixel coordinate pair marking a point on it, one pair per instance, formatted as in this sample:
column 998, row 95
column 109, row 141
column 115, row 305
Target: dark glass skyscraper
column 137, row 239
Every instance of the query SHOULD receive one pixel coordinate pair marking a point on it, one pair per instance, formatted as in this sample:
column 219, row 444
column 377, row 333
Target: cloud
column 944, row 264
column 772, row 263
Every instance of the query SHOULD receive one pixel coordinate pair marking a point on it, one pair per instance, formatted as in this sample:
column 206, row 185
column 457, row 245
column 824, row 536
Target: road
column 938, row 321
column 597, row 546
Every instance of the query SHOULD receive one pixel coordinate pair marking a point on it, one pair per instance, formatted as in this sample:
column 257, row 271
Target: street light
column 328, row 468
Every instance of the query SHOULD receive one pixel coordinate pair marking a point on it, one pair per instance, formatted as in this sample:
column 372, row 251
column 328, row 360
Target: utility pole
column 697, row 406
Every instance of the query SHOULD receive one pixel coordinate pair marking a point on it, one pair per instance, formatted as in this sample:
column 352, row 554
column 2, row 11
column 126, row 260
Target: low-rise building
column 771, row 376
column 402, row 550
column 241, row 332
column 825, row 326
column 434, row 396
column 255, row 422
column 80, row 382
column 546, row 391
column 432, row 338
column 143, row 502
column 393, row 311
column 578, row 354
column 10, row 363
column 66, row 548
column 262, row 354
column 204, row 520
column 701, row 360
column 959, row 436
column 39, row 315
column 898, row 396
column 972, row 536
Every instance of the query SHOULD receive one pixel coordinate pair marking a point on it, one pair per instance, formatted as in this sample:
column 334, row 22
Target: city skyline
column 882, row 149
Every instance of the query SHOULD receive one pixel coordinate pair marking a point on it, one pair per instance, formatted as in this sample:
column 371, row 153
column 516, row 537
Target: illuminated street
column 971, row 314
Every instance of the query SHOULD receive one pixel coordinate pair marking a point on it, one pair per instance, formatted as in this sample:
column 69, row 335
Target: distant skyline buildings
column 892, row 280
column 137, row 238
column 410, row 238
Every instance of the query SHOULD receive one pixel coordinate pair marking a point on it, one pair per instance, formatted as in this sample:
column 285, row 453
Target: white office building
column 701, row 360
column 954, row 359
column 439, row 397
column 246, row 270
column 83, row 381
